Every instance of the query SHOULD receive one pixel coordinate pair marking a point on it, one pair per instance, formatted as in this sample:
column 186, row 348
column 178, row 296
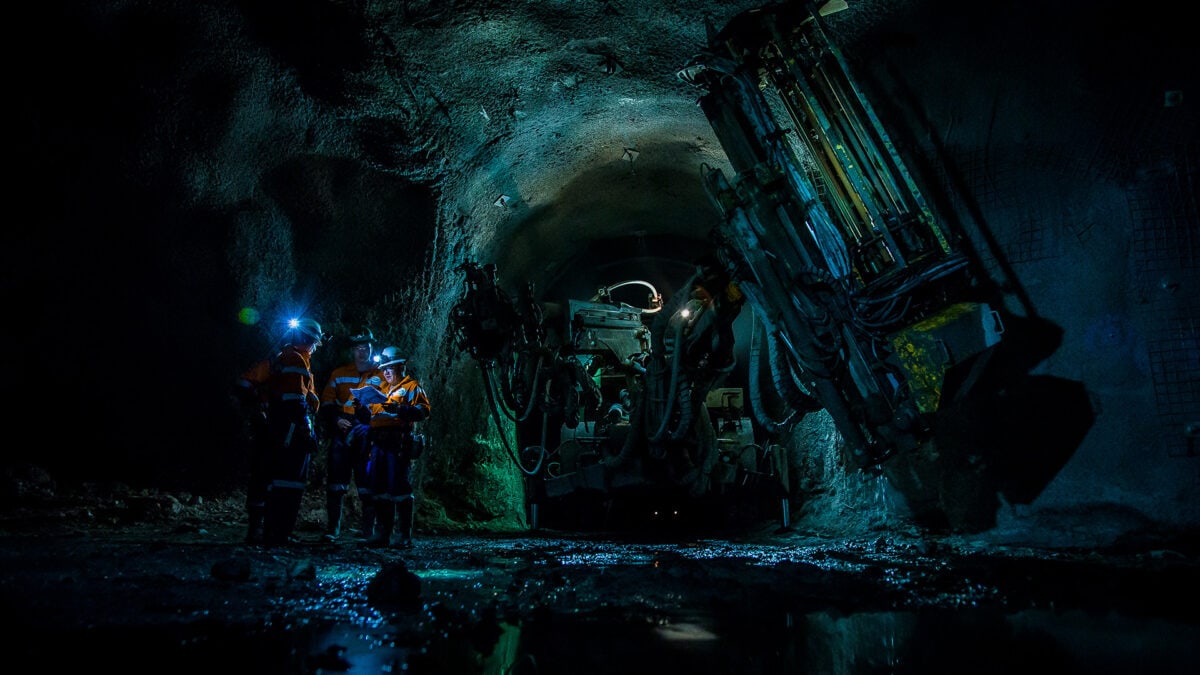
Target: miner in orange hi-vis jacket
column 395, row 443
column 347, row 450
column 291, row 403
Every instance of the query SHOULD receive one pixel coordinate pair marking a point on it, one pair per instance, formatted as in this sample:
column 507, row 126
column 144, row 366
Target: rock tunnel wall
column 214, row 157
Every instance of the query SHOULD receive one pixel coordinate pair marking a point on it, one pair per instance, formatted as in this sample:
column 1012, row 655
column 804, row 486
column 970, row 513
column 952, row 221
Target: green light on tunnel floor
column 448, row 574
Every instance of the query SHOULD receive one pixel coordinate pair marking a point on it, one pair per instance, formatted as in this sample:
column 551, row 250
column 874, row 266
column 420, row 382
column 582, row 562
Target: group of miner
column 366, row 418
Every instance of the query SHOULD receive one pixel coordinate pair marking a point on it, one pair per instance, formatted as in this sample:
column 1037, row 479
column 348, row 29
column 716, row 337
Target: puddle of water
column 733, row 640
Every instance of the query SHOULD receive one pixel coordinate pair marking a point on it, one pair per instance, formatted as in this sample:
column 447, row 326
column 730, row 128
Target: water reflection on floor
column 731, row 641
column 579, row 606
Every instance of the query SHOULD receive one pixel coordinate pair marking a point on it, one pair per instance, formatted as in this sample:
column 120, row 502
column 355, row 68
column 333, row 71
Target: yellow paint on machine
column 923, row 355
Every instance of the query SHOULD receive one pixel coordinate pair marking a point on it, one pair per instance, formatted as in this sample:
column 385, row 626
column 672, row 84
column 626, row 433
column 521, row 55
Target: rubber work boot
column 404, row 524
column 254, row 528
column 368, row 519
column 385, row 519
column 333, row 511
column 283, row 507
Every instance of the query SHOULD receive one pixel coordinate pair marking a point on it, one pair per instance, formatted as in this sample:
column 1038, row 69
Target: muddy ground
column 141, row 582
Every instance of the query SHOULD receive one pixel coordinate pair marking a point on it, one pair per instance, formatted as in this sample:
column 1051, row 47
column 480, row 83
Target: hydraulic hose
column 488, row 386
column 672, row 391
column 659, row 352
column 686, row 413
column 490, row 382
column 764, row 419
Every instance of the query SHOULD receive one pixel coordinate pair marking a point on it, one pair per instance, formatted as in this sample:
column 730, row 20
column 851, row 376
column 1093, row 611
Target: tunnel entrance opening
column 663, row 513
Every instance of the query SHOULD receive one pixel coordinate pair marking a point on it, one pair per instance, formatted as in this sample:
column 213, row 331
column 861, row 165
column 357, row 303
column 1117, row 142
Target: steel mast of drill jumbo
column 828, row 236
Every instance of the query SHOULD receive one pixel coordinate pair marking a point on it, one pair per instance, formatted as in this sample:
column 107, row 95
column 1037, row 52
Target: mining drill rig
column 863, row 301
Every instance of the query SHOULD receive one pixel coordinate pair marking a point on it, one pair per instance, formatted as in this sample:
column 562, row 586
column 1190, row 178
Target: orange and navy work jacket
column 407, row 391
column 252, row 384
column 288, row 381
column 342, row 380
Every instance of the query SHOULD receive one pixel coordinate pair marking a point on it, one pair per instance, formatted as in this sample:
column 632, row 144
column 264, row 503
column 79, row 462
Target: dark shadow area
column 127, row 308
column 1024, row 428
column 663, row 512
column 323, row 41
column 1057, row 414
column 999, row 431
column 355, row 231
column 116, row 272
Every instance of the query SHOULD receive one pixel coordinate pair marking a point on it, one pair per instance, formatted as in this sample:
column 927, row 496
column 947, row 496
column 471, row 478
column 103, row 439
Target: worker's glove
column 408, row 413
column 362, row 414
column 358, row 435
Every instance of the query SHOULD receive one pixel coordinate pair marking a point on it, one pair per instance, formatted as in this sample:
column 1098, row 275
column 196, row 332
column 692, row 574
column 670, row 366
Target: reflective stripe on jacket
column 292, row 379
column 342, row 380
column 405, row 392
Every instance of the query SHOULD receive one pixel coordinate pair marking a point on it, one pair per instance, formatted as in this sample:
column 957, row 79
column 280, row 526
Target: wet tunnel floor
column 144, row 600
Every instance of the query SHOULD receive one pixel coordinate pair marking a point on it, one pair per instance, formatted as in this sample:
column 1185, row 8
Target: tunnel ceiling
column 533, row 129
column 582, row 147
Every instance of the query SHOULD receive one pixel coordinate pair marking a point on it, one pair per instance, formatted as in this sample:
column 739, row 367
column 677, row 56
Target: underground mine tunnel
column 838, row 337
